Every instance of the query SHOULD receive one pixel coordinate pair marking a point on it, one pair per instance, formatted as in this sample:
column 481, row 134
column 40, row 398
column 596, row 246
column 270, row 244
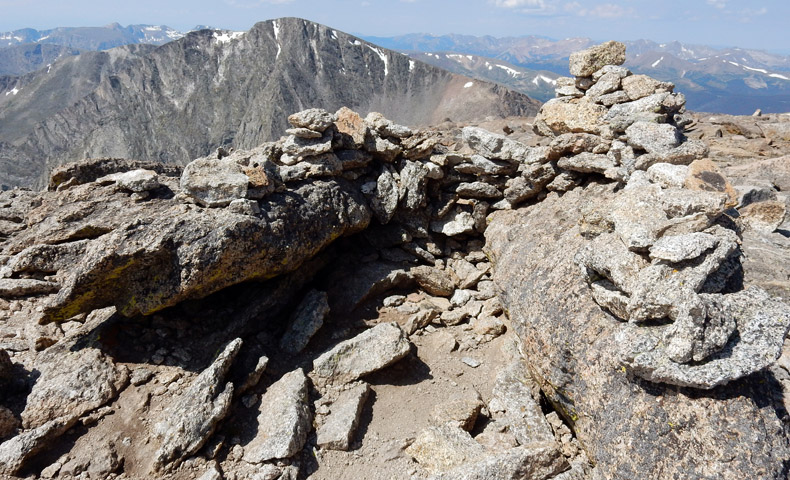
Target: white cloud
column 520, row 3
column 254, row 3
column 720, row 4
column 606, row 10
column 525, row 6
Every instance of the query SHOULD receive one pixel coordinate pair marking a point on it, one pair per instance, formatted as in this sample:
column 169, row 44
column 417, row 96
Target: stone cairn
column 662, row 258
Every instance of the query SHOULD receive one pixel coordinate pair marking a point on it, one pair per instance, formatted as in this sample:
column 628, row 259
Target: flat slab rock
column 284, row 420
column 14, row 452
column 338, row 429
column 630, row 428
column 371, row 350
column 71, row 383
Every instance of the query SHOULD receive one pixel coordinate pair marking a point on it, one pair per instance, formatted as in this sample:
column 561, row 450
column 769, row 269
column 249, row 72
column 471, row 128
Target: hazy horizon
column 759, row 24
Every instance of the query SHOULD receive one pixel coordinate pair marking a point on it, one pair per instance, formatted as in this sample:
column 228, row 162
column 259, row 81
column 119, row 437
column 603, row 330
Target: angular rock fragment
column 478, row 190
column 533, row 461
column 461, row 412
column 677, row 248
column 763, row 216
column 491, row 145
column 305, row 321
column 188, row 423
column 480, row 165
column 369, row 351
column 667, row 175
column 14, row 452
column 557, row 117
column 299, row 148
column 640, row 86
column 586, row 62
column 24, row 287
column 586, row 163
column 383, row 195
column 413, row 178
column 213, row 182
column 323, row 165
column 457, row 223
column 513, row 405
column 139, row 180
column 386, row 127
column 444, row 447
column 284, row 420
column 649, row 109
column 315, row 119
column 72, row 382
column 607, row 83
column 653, row 137
column 338, row 429
column 434, row 281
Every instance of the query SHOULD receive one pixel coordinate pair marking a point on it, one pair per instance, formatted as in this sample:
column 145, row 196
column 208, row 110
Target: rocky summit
column 597, row 294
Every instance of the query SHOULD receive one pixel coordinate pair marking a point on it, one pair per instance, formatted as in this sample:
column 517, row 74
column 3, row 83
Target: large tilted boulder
column 153, row 262
column 630, row 428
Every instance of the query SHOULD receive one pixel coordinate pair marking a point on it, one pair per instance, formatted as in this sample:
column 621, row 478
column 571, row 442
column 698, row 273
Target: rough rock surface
column 73, row 381
column 566, row 335
column 305, row 322
column 341, row 423
column 586, row 62
column 369, row 351
column 191, row 420
column 284, row 420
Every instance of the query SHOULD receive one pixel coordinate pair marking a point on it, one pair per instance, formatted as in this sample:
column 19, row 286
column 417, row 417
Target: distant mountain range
column 210, row 88
column 92, row 38
column 733, row 80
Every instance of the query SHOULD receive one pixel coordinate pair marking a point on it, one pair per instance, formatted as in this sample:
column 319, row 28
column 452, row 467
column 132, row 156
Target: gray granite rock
column 371, row 350
column 23, row 287
column 189, row 421
column 340, row 425
column 533, row 461
column 315, row 119
column 458, row 222
column 16, row 451
column 653, row 137
column 667, row 175
column 677, row 248
column 305, row 321
column 139, row 180
column 478, row 190
column 573, row 349
column 491, row 145
column 213, row 182
column 586, row 62
column 72, row 381
column 480, row 165
column 284, row 420
column 762, row 323
column 640, row 86
column 607, row 83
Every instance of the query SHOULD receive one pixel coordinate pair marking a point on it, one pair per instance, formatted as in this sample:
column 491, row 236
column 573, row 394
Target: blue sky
column 763, row 24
